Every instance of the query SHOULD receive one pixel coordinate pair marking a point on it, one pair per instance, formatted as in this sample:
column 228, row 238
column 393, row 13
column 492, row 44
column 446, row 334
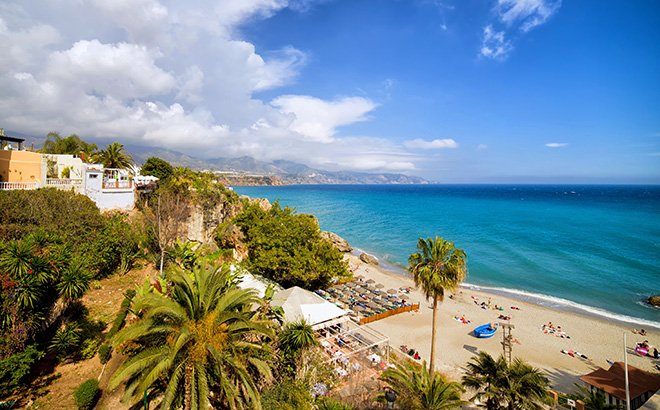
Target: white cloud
column 494, row 45
column 178, row 75
column 482, row 147
column 556, row 144
column 433, row 144
column 527, row 14
column 513, row 18
column 317, row 120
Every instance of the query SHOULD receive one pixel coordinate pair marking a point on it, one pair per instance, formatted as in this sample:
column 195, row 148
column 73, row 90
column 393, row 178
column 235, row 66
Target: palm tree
column 438, row 266
column 296, row 336
column 114, row 156
column 417, row 388
column 198, row 342
column 504, row 386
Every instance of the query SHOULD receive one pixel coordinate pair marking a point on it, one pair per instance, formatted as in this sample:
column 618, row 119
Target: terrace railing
column 9, row 186
column 117, row 184
column 64, row 183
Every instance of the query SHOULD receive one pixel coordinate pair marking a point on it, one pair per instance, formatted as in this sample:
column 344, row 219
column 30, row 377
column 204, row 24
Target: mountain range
column 288, row 172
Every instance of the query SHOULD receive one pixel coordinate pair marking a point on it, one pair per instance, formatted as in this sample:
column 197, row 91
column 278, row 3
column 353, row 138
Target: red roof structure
column 612, row 381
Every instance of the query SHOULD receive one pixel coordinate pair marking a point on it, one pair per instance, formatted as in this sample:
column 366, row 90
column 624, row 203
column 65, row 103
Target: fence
column 117, row 184
column 17, row 185
column 388, row 313
column 64, row 183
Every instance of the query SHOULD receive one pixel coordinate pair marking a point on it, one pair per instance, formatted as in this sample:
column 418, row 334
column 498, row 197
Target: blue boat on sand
column 485, row 331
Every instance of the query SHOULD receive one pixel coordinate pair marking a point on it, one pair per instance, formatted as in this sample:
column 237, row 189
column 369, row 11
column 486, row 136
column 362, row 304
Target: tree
column 157, row 167
column 114, row 156
column 438, row 266
column 504, row 386
column 417, row 388
column 593, row 399
column 197, row 342
column 72, row 145
column 288, row 248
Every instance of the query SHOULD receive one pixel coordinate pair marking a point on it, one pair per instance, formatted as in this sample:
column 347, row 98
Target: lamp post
column 625, row 367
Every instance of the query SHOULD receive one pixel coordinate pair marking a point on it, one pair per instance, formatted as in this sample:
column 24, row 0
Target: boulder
column 370, row 259
column 263, row 203
column 337, row 241
column 654, row 300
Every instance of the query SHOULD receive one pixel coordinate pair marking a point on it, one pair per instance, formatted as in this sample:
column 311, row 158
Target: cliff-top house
column 21, row 169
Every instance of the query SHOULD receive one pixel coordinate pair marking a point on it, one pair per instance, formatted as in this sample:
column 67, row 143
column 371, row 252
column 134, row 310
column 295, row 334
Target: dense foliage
column 14, row 369
column 158, row 168
column 52, row 245
column 501, row 385
column 288, row 248
column 87, row 394
column 73, row 145
column 199, row 346
column 417, row 388
column 113, row 156
column 118, row 323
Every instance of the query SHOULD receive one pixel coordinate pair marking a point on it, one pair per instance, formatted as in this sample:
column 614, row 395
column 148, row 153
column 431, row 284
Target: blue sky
column 454, row 91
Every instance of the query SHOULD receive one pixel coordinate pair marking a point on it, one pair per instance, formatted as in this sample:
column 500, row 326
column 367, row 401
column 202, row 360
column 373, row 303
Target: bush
column 105, row 353
column 287, row 395
column 158, row 168
column 288, row 248
column 88, row 348
column 327, row 403
column 87, row 394
column 15, row 368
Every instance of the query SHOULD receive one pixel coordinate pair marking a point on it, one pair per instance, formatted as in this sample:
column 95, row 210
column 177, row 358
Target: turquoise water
column 592, row 248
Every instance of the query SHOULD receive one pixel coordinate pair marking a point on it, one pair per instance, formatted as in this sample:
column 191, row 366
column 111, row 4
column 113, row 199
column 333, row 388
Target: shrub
column 87, row 394
column 157, row 167
column 287, row 395
column 15, row 368
column 288, row 248
column 65, row 341
column 88, row 348
column 327, row 403
column 105, row 353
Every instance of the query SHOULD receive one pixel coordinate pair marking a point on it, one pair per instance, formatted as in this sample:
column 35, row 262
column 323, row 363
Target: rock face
column 337, row 241
column 654, row 300
column 202, row 222
column 366, row 258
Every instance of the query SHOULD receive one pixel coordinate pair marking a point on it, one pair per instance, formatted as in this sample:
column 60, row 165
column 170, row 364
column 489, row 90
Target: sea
column 588, row 248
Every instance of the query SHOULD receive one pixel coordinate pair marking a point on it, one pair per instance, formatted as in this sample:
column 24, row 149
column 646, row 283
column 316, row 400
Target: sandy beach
column 600, row 340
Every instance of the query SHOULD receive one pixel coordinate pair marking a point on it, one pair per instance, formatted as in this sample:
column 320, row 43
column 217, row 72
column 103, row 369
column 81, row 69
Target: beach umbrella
column 373, row 305
column 359, row 277
column 405, row 297
column 370, row 281
column 392, row 291
column 358, row 308
column 380, row 286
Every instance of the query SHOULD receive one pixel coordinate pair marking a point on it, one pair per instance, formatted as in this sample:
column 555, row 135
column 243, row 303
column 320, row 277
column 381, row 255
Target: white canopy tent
column 299, row 303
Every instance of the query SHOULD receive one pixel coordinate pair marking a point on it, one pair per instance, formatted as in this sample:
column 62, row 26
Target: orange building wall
column 21, row 166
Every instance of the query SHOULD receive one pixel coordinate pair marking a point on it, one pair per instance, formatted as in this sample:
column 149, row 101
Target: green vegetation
column 505, row 386
column 438, row 266
column 105, row 353
column 287, row 247
column 14, row 369
column 200, row 340
column 87, row 394
column 287, row 395
column 73, row 145
column 327, row 403
column 118, row 323
column 593, row 399
column 158, row 168
column 52, row 245
column 417, row 388
column 113, row 156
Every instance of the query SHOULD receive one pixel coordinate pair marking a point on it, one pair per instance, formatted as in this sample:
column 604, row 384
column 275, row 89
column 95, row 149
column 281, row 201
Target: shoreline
column 549, row 301
column 599, row 339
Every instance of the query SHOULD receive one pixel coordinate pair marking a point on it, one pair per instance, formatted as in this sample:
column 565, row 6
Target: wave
column 526, row 296
column 560, row 303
